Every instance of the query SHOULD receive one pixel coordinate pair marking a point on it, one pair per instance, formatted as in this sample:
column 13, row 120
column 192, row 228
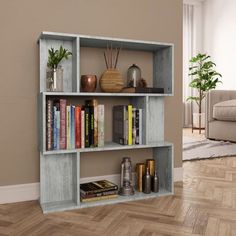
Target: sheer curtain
column 188, row 52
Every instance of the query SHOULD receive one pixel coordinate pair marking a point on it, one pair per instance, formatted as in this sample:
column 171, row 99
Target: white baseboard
column 28, row 192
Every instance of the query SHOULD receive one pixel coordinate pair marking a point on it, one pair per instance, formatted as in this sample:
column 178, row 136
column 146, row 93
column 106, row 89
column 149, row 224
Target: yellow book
column 130, row 125
column 98, row 198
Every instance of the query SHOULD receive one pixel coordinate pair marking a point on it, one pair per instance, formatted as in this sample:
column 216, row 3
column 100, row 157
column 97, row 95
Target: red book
column 77, row 127
column 62, row 123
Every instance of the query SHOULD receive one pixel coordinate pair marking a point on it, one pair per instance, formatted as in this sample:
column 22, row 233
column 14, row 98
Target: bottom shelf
column 70, row 205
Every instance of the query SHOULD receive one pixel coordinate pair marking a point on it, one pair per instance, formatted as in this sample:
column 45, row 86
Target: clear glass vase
column 54, row 79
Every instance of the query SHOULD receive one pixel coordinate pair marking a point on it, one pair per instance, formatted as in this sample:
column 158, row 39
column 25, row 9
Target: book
column 68, row 129
column 142, row 90
column 58, row 130
column 105, row 193
column 119, row 125
column 140, row 126
column 137, row 126
column 49, row 125
column 62, row 124
column 101, row 125
column 87, row 126
column 130, row 140
column 82, row 130
column 133, row 126
column 91, row 126
column 97, row 187
column 72, row 127
column 54, row 127
column 77, row 127
column 99, row 198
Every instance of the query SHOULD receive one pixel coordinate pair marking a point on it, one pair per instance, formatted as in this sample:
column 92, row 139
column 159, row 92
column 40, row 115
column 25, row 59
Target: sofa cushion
column 225, row 110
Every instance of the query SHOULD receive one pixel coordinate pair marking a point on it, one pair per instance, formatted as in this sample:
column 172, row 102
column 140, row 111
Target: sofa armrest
column 213, row 97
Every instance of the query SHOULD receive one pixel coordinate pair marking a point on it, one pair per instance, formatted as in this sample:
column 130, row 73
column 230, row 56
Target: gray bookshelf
column 60, row 169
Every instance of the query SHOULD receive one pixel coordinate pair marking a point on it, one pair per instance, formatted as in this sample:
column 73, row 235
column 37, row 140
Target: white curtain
column 188, row 52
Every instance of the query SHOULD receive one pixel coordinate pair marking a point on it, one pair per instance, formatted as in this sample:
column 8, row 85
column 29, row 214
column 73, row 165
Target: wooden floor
column 204, row 205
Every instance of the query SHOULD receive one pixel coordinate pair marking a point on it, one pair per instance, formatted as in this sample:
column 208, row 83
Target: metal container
column 126, row 187
column 133, row 76
column 88, row 83
column 147, row 181
column 150, row 163
column 155, row 183
column 140, row 171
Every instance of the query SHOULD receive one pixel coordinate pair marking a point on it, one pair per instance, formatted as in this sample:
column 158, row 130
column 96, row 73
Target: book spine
column 101, row 128
column 54, row 127
column 62, row 124
column 112, row 192
column 82, row 129
column 137, row 126
column 133, row 126
column 68, row 120
column 91, row 130
column 58, row 130
column 95, row 126
column 72, row 127
column 140, row 126
column 87, row 128
column 49, row 123
column 98, row 198
column 130, row 125
column 78, row 127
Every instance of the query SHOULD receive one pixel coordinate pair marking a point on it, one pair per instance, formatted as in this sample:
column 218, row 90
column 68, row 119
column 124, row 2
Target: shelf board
column 106, row 94
column 70, row 205
column 109, row 146
column 120, row 199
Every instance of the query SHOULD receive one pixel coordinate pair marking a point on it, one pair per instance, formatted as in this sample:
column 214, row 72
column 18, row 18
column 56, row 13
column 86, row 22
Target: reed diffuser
column 111, row 80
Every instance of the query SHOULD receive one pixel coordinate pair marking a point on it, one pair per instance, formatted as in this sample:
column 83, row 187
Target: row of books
column 98, row 190
column 70, row 127
column 127, row 125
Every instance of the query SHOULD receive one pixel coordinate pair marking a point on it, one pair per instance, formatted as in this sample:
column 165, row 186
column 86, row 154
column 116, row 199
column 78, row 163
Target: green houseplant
column 205, row 78
column 55, row 71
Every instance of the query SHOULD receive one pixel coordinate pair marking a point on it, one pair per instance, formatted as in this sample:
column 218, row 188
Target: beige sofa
column 221, row 115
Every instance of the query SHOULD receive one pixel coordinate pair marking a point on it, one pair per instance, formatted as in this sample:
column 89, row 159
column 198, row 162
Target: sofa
column 221, row 115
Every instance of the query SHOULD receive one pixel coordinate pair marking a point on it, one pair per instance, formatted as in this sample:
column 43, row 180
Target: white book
column 101, row 128
column 82, row 129
column 140, row 126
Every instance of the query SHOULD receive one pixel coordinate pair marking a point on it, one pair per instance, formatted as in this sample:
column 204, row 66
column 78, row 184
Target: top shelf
column 101, row 42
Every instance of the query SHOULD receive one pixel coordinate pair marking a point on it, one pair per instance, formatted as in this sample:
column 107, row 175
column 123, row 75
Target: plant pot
column 54, row 80
column 88, row 83
column 196, row 122
column 111, row 81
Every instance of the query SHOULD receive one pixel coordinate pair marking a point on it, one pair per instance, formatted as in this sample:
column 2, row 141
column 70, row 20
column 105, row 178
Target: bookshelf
column 60, row 169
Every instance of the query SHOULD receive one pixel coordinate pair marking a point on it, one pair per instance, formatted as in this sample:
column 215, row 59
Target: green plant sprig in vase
column 205, row 78
column 55, row 72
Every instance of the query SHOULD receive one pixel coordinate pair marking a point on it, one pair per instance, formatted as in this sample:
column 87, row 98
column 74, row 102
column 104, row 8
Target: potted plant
column 54, row 70
column 205, row 78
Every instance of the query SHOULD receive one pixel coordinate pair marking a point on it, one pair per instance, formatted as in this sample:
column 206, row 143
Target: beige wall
column 21, row 23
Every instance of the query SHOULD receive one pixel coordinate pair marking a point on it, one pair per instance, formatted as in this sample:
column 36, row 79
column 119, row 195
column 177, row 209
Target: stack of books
column 127, row 125
column 72, row 127
column 98, row 190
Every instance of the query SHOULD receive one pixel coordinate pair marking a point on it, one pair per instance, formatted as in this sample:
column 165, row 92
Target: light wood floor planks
column 205, row 204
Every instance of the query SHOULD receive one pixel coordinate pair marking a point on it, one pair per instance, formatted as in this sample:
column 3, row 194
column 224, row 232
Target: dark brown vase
column 88, row 83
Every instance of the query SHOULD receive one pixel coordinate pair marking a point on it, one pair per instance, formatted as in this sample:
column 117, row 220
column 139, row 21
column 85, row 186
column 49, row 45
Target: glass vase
column 54, row 79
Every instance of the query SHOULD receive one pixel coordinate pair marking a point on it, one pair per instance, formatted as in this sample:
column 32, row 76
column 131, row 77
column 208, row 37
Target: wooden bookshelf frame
column 60, row 169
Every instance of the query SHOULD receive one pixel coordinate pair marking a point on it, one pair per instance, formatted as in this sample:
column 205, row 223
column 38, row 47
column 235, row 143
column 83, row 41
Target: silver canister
column 147, row 180
column 133, row 76
column 155, row 183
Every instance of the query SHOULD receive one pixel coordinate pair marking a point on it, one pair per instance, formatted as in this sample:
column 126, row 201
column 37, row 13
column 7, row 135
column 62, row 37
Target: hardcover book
column 99, row 198
column 130, row 139
column 101, row 128
column 87, row 126
column 105, row 193
column 142, row 90
column 72, row 127
column 97, row 187
column 68, row 129
column 78, row 127
column 49, row 125
column 82, row 130
column 62, row 124
column 119, row 125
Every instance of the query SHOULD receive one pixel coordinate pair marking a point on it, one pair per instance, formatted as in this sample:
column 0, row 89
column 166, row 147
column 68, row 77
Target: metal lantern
column 133, row 76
